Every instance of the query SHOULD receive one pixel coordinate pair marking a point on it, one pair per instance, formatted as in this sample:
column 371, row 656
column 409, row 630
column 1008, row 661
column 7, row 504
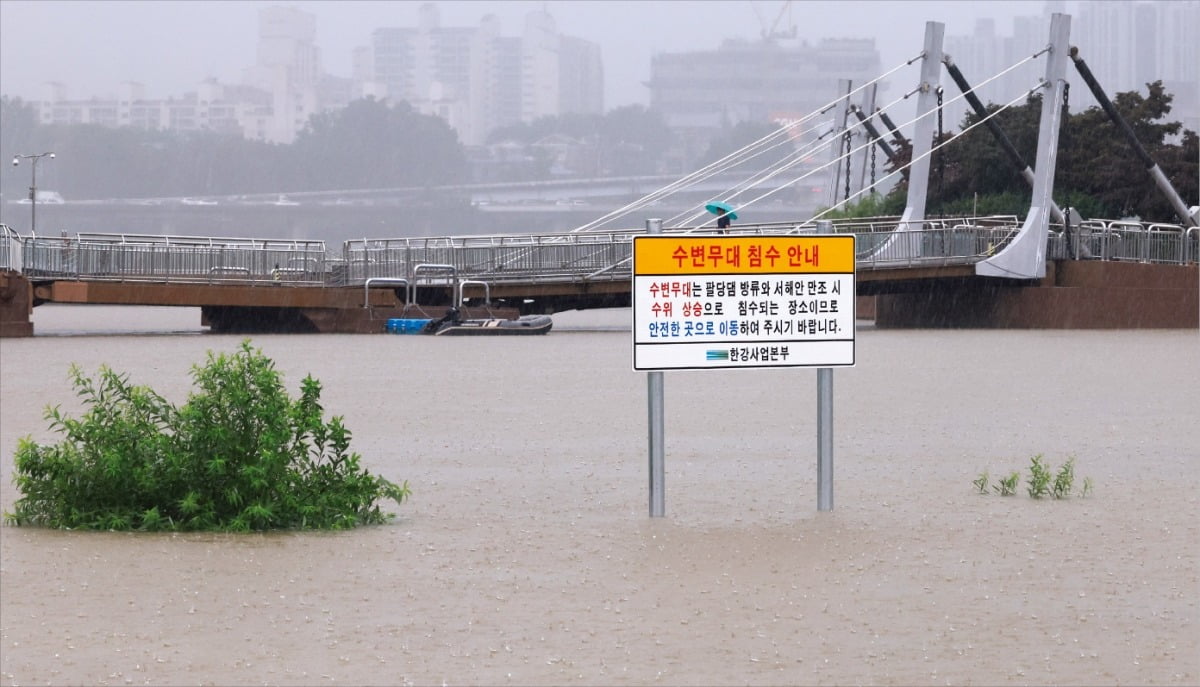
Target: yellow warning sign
column 667, row 255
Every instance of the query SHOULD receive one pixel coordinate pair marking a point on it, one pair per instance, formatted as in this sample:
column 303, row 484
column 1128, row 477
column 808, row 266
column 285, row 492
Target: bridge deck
column 521, row 273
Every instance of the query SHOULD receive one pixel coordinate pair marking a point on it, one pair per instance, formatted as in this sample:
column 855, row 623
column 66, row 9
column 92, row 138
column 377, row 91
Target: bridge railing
column 496, row 259
column 1127, row 241
column 606, row 256
column 10, row 249
column 571, row 257
column 127, row 257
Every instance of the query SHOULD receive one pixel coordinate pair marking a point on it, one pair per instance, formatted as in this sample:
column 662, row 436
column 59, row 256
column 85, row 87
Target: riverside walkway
column 302, row 285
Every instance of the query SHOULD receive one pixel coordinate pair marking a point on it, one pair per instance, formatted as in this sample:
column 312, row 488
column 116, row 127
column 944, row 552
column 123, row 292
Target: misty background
column 170, row 47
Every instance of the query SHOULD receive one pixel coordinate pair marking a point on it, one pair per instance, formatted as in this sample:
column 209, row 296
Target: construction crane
column 773, row 32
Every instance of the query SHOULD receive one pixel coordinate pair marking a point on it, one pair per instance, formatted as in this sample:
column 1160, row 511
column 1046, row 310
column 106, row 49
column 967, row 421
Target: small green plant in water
column 1087, row 487
column 1039, row 477
column 240, row 455
column 1007, row 486
column 981, row 482
column 1064, row 480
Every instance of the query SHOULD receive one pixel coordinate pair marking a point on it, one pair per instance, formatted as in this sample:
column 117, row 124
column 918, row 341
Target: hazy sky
column 170, row 46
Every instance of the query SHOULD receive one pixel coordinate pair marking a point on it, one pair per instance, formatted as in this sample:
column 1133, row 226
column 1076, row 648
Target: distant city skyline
column 92, row 47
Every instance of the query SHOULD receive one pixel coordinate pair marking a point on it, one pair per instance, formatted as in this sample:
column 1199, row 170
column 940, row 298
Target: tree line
column 369, row 144
column 1097, row 171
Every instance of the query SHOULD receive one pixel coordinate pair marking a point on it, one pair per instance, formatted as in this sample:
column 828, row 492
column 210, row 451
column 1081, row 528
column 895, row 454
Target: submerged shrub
column 240, row 455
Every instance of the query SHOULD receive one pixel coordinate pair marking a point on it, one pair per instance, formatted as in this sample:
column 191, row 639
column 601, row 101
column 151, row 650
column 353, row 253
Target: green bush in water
column 239, row 456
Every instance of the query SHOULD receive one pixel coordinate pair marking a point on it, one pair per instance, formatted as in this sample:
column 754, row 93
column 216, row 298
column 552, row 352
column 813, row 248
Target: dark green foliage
column 240, row 455
column 368, row 144
column 1097, row 171
column 372, row 144
column 868, row 205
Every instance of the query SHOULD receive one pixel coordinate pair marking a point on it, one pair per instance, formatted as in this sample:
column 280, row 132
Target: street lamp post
column 32, row 186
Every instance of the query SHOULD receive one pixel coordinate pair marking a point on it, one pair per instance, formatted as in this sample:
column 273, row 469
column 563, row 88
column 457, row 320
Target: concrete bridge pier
column 1072, row 295
column 16, row 305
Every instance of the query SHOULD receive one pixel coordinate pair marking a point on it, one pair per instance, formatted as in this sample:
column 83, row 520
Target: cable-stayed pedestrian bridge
column 249, row 284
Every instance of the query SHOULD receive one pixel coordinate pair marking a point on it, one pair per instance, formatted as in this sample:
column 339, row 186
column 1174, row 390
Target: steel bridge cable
column 915, row 119
column 785, row 163
column 855, row 150
column 736, row 157
column 778, row 168
column 783, row 142
column 686, row 180
column 997, row 75
column 955, row 137
column 911, row 121
column 825, row 145
column 789, row 162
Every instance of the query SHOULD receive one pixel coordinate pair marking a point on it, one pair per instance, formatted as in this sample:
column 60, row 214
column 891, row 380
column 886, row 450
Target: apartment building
column 478, row 79
column 1125, row 44
column 475, row 78
column 701, row 93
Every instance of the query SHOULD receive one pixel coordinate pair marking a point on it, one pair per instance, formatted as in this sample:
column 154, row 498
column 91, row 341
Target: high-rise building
column 288, row 66
column 1125, row 45
column 478, row 79
column 702, row 93
column 1128, row 44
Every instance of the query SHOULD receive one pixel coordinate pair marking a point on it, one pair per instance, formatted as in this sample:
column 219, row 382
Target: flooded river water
column 526, row 555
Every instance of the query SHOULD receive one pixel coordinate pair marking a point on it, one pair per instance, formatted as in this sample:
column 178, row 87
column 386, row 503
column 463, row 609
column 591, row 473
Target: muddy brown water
column 526, row 555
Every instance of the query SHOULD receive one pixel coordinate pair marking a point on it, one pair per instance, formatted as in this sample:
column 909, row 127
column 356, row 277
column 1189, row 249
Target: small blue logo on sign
column 716, row 355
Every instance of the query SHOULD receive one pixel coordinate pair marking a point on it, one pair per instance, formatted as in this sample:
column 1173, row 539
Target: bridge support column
column 922, row 144
column 1025, row 256
column 16, row 305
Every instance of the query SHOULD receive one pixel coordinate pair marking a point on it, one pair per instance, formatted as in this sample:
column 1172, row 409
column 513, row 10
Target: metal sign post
column 720, row 302
column 824, row 439
column 656, row 422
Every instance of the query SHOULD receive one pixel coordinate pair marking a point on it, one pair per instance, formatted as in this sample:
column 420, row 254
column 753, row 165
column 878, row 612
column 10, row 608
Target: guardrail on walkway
column 543, row 258
column 606, row 256
column 182, row 259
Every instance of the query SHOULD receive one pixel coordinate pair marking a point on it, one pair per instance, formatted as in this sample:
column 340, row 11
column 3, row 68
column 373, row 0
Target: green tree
column 1097, row 171
column 18, row 136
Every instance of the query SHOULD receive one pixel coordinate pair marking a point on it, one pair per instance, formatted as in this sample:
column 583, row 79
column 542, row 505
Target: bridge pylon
column 1025, row 256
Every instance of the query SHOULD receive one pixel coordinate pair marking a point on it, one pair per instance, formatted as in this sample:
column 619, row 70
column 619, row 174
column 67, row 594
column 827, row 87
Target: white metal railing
column 593, row 257
column 577, row 257
column 10, row 249
column 181, row 259
column 1128, row 241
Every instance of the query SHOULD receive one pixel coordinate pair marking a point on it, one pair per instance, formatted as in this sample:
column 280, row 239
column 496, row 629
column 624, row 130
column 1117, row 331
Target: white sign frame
column 711, row 305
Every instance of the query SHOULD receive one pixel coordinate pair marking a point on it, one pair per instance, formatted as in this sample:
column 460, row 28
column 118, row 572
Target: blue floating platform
column 404, row 325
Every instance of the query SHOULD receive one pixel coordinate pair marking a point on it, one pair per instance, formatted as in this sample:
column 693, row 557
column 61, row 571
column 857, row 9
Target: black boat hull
column 529, row 325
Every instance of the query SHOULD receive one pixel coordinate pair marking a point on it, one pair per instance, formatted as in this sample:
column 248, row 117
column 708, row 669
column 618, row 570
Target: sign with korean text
column 743, row 301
